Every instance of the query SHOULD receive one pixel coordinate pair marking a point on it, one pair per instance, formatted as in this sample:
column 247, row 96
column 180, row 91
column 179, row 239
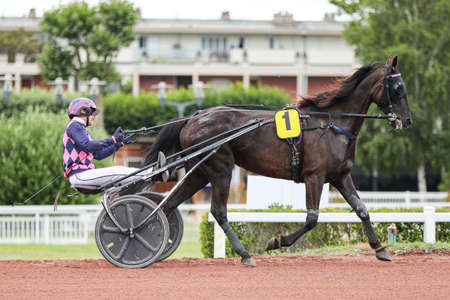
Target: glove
column 127, row 140
column 118, row 135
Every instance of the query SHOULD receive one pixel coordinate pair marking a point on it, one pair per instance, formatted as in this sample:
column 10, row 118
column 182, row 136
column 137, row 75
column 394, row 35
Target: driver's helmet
column 82, row 107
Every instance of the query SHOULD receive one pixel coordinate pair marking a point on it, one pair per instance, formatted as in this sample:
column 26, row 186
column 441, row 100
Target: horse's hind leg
column 314, row 187
column 220, row 190
column 347, row 189
column 219, row 170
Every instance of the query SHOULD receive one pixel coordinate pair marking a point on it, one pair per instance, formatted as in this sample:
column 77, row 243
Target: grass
column 190, row 244
column 40, row 252
column 396, row 249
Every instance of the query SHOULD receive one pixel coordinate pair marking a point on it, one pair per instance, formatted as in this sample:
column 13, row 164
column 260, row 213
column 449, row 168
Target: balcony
column 167, row 55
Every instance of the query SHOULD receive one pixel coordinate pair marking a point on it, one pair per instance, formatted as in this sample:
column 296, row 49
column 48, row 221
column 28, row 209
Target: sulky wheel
column 176, row 226
column 135, row 248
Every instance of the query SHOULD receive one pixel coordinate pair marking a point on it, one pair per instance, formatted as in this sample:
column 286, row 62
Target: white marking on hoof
column 249, row 262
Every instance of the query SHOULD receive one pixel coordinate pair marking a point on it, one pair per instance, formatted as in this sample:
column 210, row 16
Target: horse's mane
column 340, row 89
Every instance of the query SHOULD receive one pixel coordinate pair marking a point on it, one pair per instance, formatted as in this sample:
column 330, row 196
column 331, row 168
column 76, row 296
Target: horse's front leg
column 314, row 187
column 220, row 190
column 347, row 189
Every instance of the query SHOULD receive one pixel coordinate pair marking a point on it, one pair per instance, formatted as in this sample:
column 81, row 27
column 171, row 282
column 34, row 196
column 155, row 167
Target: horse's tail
column 167, row 141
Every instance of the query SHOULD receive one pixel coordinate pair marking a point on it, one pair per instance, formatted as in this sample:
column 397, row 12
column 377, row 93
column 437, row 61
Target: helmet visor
column 96, row 112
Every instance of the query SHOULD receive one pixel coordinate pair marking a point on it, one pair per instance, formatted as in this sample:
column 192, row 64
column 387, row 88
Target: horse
column 327, row 155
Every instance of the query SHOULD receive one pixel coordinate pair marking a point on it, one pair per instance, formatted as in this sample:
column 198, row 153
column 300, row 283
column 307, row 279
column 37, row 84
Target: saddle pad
column 287, row 123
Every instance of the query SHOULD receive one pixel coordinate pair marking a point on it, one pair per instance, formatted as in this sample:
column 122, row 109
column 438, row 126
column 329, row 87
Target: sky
column 303, row 10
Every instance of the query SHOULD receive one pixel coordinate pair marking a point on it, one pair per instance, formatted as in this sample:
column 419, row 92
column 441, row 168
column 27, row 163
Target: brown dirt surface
column 318, row 276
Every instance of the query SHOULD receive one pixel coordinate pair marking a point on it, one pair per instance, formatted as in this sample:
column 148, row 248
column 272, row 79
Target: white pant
column 98, row 177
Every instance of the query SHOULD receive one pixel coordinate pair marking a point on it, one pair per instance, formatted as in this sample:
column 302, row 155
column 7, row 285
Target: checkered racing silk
column 74, row 159
column 79, row 149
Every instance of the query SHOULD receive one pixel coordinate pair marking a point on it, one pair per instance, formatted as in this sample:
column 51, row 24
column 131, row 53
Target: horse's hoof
column 382, row 254
column 249, row 262
column 272, row 244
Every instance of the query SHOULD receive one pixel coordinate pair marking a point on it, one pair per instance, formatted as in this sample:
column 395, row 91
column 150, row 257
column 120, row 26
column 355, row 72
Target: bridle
column 385, row 100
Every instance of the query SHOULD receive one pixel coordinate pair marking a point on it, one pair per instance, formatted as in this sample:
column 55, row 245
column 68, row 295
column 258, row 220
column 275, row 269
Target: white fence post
column 407, row 199
column 36, row 228
column 219, row 241
column 429, row 225
column 84, row 222
column 46, row 229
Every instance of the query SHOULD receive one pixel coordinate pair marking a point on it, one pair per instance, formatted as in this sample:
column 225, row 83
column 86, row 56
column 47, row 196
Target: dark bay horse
column 327, row 155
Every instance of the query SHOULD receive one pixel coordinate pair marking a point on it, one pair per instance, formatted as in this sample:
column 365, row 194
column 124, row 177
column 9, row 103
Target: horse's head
column 394, row 98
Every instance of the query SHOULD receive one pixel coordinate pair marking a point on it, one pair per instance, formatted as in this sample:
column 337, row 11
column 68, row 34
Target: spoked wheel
column 176, row 226
column 135, row 248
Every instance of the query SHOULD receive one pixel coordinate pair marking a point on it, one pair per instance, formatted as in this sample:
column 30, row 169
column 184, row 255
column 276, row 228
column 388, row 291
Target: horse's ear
column 394, row 63
column 389, row 61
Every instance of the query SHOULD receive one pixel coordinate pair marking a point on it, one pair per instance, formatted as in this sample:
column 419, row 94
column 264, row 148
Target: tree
column 418, row 32
column 19, row 41
column 85, row 40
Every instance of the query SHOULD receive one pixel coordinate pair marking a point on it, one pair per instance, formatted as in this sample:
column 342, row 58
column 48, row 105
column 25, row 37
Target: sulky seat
column 87, row 188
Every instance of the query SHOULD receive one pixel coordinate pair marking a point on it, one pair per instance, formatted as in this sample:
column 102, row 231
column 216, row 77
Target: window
column 142, row 42
column 271, row 42
column 215, row 47
column 214, row 43
column 241, row 43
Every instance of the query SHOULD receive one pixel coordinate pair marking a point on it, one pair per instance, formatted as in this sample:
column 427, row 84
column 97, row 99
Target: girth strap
column 295, row 161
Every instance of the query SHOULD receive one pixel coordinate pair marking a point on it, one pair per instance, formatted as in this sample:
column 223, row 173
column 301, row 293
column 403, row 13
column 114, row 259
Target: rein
column 149, row 130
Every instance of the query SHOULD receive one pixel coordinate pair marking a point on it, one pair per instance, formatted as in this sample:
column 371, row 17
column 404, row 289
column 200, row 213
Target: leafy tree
column 56, row 62
column 418, row 32
column 19, row 41
column 85, row 40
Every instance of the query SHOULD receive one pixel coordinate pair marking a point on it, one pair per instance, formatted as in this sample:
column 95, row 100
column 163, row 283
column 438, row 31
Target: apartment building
column 296, row 56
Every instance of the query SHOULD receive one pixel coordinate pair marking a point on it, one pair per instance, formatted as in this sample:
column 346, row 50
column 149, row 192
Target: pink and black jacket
column 79, row 149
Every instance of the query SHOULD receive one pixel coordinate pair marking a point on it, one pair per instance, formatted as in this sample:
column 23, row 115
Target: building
column 296, row 56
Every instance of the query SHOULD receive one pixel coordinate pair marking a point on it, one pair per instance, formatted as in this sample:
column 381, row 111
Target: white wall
column 263, row 191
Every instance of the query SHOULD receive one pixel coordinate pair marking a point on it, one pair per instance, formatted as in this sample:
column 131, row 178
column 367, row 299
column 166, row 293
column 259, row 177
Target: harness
column 384, row 102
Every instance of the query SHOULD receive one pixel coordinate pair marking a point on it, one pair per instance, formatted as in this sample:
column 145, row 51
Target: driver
column 79, row 150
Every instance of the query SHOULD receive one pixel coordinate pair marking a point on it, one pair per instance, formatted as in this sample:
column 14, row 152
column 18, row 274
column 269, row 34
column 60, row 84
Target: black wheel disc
column 136, row 249
column 176, row 226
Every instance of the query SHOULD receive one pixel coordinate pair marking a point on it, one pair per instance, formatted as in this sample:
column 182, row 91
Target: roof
column 198, row 26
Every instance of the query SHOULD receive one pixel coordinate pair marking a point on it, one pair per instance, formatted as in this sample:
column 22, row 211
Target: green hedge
column 237, row 94
column 254, row 236
column 144, row 111
column 38, row 98
column 131, row 112
column 31, row 155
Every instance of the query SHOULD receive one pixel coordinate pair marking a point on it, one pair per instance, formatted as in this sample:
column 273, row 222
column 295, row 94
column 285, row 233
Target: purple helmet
column 82, row 107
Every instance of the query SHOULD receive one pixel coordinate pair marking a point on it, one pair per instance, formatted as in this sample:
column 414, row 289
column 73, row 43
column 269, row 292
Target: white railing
column 69, row 224
column 429, row 217
column 404, row 199
column 40, row 224
column 74, row 224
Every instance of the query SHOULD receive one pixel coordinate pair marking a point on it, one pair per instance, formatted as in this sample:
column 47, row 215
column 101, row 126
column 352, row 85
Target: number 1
column 287, row 120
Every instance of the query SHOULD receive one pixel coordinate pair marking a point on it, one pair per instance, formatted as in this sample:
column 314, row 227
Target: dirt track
column 288, row 277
